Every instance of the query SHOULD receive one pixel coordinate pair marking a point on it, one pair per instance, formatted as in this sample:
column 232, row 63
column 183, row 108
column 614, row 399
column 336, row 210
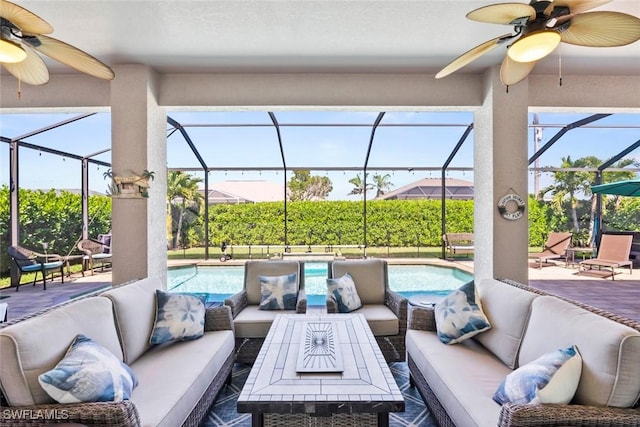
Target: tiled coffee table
column 353, row 383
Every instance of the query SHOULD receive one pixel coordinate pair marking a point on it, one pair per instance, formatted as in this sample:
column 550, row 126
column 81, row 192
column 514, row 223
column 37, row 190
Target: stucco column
column 139, row 142
column 500, row 168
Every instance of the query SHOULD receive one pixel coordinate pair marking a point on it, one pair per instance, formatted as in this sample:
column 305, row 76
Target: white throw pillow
column 459, row 317
column 552, row 378
column 88, row 372
column 344, row 291
column 179, row 317
column 279, row 292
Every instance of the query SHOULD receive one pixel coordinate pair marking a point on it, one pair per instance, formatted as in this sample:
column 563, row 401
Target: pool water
column 218, row 283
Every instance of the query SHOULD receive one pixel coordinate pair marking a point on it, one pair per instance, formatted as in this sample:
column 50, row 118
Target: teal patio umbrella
column 630, row 187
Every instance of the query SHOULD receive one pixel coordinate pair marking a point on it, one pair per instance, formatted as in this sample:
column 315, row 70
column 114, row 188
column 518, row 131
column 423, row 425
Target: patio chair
column 251, row 319
column 384, row 309
column 458, row 243
column 27, row 261
column 554, row 248
column 95, row 252
column 613, row 252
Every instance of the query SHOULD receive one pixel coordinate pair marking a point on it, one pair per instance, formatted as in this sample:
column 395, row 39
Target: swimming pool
column 218, row 283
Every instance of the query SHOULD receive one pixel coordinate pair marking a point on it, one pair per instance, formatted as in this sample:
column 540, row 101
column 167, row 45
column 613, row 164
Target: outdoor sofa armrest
column 237, row 302
column 422, row 319
column 218, row 319
column 301, row 304
column 99, row 414
column 513, row 414
column 332, row 304
column 397, row 303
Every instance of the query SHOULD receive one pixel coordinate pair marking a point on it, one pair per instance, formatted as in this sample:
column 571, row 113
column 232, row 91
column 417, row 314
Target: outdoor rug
column 223, row 412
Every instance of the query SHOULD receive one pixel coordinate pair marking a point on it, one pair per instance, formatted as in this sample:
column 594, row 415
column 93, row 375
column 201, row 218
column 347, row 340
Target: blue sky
column 315, row 146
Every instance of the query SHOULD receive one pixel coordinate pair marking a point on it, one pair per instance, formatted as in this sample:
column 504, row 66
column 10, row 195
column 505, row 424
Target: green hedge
column 57, row 219
column 394, row 222
column 53, row 218
column 389, row 222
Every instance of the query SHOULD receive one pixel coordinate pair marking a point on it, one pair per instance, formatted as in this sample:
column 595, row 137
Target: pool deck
column 620, row 296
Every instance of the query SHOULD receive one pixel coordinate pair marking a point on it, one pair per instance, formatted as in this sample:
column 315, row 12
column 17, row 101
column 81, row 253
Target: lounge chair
column 95, row 252
column 613, row 252
column 384, row 309
column 27, row 261
column 252, row 316
column 554, row 248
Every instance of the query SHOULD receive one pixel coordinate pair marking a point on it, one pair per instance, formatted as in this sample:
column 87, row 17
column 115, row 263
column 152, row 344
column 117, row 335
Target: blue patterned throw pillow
column 344, row 291
column 279, row 292
column 552, row 378
column 459, row 317
column 179, row 317
column 88, row 373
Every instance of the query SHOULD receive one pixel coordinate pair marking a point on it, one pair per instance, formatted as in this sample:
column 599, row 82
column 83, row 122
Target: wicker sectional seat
column 458, row 381
column 178, row 381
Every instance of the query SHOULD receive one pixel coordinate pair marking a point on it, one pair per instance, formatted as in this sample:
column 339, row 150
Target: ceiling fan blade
column 512, row 72
column 575, row 6
column 71, row 56
column 503, row 13
column 602, row 29
column 32, row 70
column 471, row 55
column 28, row 22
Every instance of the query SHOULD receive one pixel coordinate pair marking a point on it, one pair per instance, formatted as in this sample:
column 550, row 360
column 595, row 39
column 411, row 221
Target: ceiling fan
column 22, row 37
column 540, row 26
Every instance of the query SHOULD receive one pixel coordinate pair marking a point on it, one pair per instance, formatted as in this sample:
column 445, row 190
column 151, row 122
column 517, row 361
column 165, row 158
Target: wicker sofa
column 177, row 382
column 458, row 381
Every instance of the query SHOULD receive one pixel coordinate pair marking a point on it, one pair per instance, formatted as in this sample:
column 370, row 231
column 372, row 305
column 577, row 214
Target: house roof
column 249, row 191
column 431, row 188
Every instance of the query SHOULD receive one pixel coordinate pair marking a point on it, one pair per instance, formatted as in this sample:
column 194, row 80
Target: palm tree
column 568, row 183
column 382, row 183
column 358, row 186
column 182, row 190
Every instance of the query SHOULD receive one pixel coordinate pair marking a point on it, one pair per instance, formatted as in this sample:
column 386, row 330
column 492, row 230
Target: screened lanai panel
column 422, row 139
column 60, row 132
column 83, row 136
column 4, row 161
column 602, row 138
column 325, row 139
column 599, row 140
column 224, row 139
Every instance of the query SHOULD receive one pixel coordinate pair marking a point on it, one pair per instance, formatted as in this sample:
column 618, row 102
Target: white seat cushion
column 507, row 307
column 173, row 377
column 135, row 312
column 381, row 319
column 34, row 346
column 252, row 322
column 610, row 351
column 453, row 373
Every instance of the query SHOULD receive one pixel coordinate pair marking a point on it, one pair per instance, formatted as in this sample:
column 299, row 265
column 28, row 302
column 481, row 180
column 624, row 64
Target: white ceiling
column 253, row 36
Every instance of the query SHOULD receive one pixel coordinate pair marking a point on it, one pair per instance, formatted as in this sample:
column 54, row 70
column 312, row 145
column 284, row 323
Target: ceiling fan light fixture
column 534, row 46
column 11, row 52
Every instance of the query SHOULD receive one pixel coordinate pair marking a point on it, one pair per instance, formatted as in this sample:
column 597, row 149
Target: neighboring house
column 431, row 188
column 244, row 192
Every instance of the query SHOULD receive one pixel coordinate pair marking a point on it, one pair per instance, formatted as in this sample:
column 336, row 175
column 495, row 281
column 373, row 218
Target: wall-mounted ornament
column 131, row 186
column 511, row 206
